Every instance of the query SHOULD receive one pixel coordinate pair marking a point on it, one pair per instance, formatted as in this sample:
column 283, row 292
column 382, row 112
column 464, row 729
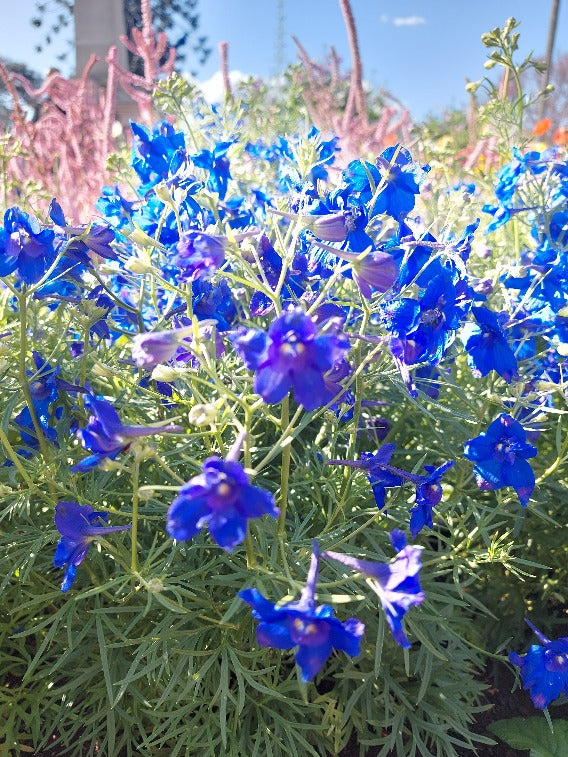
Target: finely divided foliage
column 281, row 366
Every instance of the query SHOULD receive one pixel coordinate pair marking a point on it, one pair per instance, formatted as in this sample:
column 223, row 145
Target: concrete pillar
column 98, row 25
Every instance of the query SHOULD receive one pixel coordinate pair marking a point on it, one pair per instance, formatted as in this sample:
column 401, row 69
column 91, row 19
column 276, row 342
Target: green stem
column 23, row 377
column 12, row 454
column 165, row 467
column 285, row 472
column 251, row 557
column 135, row 499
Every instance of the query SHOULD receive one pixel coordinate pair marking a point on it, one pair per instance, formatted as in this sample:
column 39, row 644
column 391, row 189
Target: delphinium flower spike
column 78, row 525
column 313, row 630
column 222, row 498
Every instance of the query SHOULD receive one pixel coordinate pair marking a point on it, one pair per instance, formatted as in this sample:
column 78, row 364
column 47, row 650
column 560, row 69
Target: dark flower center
column 433, row 317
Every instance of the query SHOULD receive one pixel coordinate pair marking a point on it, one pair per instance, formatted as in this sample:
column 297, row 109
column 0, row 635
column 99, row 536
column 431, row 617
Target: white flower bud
column 202, row 415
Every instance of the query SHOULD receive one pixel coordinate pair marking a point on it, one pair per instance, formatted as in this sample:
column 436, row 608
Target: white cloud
column 408, row 20
column 384, row 18
column 213, row 89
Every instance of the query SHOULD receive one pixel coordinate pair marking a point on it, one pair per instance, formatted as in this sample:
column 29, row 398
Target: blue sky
column 421, row 50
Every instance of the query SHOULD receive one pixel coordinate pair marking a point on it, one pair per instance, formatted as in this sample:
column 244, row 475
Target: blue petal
column 347, row 636
column 309, row 388
column 256, row 502
column 228, row 529
column 271, row 385
column 274, row 635
column 69, row 577
column 478, row 449
column 420, row 516
column 311, row 659
column 186, row 517
column 262, row 608
column 489, row 474
column 520, row 476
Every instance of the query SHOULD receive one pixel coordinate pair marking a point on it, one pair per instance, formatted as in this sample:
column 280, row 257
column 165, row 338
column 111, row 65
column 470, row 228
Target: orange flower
column 560, row 136
column 541, row 127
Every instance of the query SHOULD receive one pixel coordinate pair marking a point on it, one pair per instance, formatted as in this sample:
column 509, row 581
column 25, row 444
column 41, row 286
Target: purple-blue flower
column 487, row 346
column 95, row 238
column 155, row 347
column 152, row 151
column 380, row 474
column 25, row 246
column 218, row 165
column 428, row 495
column 106, row 436
column 400, row 174
column 396, row 583
column 222, row 498
column 44, row 392
column 292, row 355
column 544, row 669
column 500, row 456
column 313, row 630
column 199, row 255
column 78, row 527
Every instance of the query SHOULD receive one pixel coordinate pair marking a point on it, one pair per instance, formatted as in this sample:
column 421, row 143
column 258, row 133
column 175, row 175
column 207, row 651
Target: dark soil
column 506, row 703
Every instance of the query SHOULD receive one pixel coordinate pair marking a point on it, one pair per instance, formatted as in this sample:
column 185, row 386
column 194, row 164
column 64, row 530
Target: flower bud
column 165, row 373
column 202, row 415
column 330, row 227
column 154, row 347
column 155, row 585
column 138, row 265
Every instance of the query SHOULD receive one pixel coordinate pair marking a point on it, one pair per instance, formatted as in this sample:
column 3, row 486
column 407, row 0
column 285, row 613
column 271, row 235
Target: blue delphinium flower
column 222, row 498
column 380, row 474
column 312, row 629
column 152, row 152
column 291, row 355
column 271, row 264
column 508, row 179
column 401, row 176
column 214, row 301
column 487, row 346
column 217, row 164
column 78, row 525
column 396, row 583
column 500, row 456
column 44, row 390
column 106, row 436
column 544, row 669
column 78, row 241
column 114, row 207
column 153, row 347
column 25, row 246
column 428, row 495
column 198, row 255
column 45, row 386
column 424, row 329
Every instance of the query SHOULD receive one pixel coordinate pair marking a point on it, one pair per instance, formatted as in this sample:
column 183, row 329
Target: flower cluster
column 229, row 330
